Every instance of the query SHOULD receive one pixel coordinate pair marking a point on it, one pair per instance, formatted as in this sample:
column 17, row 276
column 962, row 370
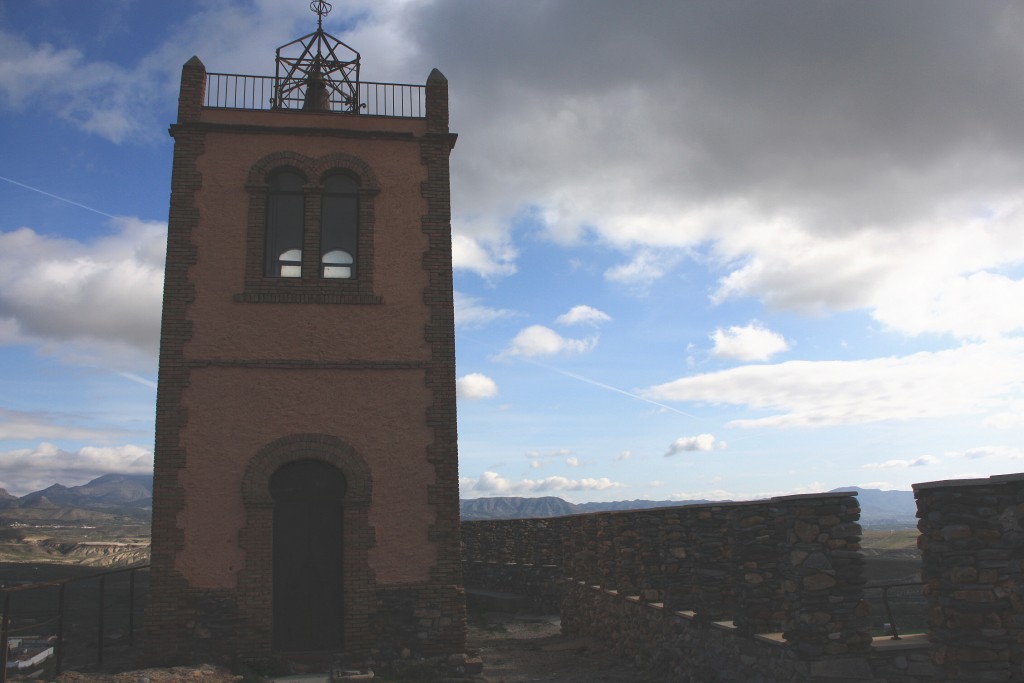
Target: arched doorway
column 307, row 549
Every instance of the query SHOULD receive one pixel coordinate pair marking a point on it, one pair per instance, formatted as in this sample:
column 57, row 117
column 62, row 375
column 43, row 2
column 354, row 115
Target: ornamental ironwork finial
column 317, row 72
column 321, row 9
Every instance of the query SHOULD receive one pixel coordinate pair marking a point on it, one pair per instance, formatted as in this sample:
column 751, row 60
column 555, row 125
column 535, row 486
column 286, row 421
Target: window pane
column 286, row 180
column 337, row 256
column 337, row 264
column 340, row 272
column 339, row 223
column 285, row 209
column 340, row 184
column 290, row 263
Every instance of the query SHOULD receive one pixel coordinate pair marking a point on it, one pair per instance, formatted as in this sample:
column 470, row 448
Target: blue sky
column 703, row 250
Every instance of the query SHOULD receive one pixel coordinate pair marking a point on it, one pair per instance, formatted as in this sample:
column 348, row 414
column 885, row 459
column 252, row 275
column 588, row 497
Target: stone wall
column 972, row 543
column 678, row 647
column 770, row 590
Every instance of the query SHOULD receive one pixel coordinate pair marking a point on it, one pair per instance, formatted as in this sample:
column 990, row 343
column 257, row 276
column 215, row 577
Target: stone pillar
column 437, row 102
column 650, row 574
column 550, row 550
column 506, row 542
column 759, row 604
column 470, row 541
column 625, row 541
column 604, row 538
column 713, row 571
column 569, row 527
column 585, row 556
column 972, row 543
column 677, row 558
column 823, row 575
column 193, row 90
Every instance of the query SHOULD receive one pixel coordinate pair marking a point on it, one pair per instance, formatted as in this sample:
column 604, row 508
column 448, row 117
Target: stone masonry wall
column 972, row 543
column 769, row 590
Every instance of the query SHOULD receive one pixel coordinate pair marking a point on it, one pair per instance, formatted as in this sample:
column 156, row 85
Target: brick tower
column 306, row 478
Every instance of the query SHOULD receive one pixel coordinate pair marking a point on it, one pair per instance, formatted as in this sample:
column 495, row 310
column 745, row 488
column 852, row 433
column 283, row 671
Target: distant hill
column 879, row 509
column 635, row 505
column 104, row 499
column 516, row 508
column 885, row 508
column 113, row 496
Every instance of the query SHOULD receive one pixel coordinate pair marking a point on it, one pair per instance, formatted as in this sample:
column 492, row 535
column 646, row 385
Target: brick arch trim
column 329, row 449
column 314, row 169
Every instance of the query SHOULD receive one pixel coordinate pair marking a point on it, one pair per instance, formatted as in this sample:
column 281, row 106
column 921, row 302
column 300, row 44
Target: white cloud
column 475, row 386
column 538, row 340
column 84, row 301
column 539, row 456
column 469, row 254
column 98, row 97
column 880, row 485
column 788, row 185
column 751, row 342
column 979, row 452
column 493, row 484
column 624, row 455
column 922, row 461
column 583, row 315
column 1014, row 417
column 644, row 268
column 823, row 393
column 938, row 274
column 30, row 469
column 16, row 425
column 691, row 444
column 470, row 312
column 724, row 494
column 572, row 462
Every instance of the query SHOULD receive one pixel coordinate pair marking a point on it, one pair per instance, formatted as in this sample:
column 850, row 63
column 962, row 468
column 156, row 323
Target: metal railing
column 60, row 621
column 909, row 601
column 237, row 91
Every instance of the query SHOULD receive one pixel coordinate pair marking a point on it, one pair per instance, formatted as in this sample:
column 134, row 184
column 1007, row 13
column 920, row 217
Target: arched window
column 285, row 209
column 311, row 230
column 339, row 227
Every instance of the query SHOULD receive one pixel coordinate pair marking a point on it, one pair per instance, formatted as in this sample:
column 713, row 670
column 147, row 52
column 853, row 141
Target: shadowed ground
column 519, row 648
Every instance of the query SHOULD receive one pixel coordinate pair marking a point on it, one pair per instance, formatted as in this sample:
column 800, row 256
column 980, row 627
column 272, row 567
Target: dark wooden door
column 307, row 556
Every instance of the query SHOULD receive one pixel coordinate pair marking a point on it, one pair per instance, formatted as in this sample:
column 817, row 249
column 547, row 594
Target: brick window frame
column 256, row 580
column 311, row 287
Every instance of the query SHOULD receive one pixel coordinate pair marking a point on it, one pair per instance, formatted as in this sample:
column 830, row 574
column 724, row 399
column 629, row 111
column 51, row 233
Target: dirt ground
column 520, row 648
column 515, row 648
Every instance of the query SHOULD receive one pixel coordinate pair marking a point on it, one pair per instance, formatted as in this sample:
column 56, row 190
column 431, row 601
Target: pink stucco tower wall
column 258, row 372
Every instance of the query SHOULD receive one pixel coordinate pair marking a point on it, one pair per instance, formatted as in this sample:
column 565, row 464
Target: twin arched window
column 338, row 228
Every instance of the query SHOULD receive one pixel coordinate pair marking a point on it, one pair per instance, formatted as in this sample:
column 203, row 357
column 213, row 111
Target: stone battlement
column 773, row 589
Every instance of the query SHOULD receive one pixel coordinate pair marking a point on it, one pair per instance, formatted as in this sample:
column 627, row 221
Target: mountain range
column 886, row 509
column 114, row 496
column 105, row 498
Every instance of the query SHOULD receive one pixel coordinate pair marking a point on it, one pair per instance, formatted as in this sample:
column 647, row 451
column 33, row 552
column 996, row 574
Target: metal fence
column 237, row 91
column 83, row 619
column 897, row 608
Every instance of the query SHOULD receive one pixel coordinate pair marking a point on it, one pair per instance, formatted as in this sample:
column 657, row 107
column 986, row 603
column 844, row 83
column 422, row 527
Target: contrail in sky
column 587, row 380
column 136, row 378
column 57, row 197
column 609, row 387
